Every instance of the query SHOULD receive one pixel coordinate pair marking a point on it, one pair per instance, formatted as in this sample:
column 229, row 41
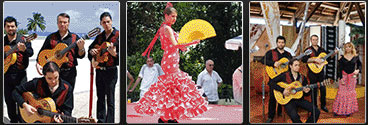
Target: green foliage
column 22, row 31
column 37, row 21
column 144, row 19
column 357, row 30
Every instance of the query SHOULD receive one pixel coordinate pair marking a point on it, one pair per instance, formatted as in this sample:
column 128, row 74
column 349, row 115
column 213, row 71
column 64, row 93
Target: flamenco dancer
column 174, row 96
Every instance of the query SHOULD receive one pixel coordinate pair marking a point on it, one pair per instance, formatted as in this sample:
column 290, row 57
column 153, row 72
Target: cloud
column 101, row 10
column 74, row 15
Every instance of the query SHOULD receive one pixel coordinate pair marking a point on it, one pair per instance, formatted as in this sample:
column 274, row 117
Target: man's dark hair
column 50, row 67
column 280, row 37
column 314, row 35
column 63, row 15
column 291, row 62
column 10, row 19
column 104, row 14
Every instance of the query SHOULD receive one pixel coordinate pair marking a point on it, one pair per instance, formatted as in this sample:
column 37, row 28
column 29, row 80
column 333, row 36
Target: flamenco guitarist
column 16, row 73
column 271, row 59
column 68, row 70
column 50, row 85
column 316, row 77
column 106, row 72
column 291, row 107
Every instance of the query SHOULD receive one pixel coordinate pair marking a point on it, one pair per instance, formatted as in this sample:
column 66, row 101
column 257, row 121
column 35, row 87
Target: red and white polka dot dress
column 346, row 102
column 174, row 95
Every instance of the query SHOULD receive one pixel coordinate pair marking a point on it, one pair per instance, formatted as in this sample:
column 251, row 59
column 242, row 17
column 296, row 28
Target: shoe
column 172, row 121
column 161, row 121
column 269, row 120
column 324, row 109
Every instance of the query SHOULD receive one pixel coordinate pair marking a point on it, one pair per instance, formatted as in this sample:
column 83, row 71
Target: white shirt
column 209, row 84
column 149, row 75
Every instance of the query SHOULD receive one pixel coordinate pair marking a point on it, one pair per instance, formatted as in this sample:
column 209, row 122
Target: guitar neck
column 65, row 118
column 309, row 86
column 27, row 39
column 298, row 57
column 328, row 55
column 105, row 50
column 72, row 45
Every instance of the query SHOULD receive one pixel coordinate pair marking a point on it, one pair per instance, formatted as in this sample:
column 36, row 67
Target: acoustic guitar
column 295, row 89
column 46, row 110
column 58, row 53
column 317, row 67
column 272, row 72
column 102, row 55
column 10, row 55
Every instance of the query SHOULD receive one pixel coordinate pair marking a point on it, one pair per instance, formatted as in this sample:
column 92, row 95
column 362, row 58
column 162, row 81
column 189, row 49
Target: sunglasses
column 211, row 65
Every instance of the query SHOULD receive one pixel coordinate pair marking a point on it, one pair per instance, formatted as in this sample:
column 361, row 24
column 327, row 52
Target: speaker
column 329, row 43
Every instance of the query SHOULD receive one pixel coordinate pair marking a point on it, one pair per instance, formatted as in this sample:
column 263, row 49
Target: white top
column 209, row 84
column 149, row 75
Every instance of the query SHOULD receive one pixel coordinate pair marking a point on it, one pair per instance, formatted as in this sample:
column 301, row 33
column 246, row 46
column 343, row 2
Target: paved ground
column 82, row 87
column 225, row 112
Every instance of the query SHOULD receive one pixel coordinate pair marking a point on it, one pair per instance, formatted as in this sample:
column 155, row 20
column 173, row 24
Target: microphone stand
column 263, row 89
column 313, row 112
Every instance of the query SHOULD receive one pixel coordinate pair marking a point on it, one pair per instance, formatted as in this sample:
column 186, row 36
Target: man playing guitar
column 316, row 77
column 68, row 70
column 106, row 47
column 291, row 107
column 50, row 85
column 271, row 59
column 16, row 73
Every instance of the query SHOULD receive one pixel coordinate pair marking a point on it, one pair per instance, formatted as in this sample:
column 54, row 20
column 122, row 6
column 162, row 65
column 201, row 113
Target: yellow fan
column 195, row 29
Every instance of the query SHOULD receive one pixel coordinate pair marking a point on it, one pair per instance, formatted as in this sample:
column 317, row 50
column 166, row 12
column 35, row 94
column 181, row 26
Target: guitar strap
column 275, row 57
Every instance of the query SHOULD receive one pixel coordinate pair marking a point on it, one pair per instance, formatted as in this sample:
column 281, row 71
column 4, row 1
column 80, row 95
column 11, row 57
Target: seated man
column 51, row 85
column 291, row 107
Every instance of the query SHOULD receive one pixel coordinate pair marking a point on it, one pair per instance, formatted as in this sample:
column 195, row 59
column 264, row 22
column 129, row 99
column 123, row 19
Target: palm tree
column 37, row 20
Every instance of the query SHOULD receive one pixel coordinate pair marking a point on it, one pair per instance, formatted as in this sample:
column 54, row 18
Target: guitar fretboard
column 65, row 118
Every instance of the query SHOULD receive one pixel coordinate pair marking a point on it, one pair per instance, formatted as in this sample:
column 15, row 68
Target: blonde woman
column 349, row 66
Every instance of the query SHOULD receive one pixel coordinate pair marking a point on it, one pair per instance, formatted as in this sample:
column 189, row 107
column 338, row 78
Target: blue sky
column 84, row 16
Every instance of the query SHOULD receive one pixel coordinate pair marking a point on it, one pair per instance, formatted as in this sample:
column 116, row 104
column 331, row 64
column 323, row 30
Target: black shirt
column 314, row 77
column 22, row 57
column 33, row 86
column 269, row 57
column 101, row 38
column 348, row 66
column 53, row 39
column 282, row 78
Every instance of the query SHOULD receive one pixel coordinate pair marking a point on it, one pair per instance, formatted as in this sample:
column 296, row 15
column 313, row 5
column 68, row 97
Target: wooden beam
column 339, row 12
column 313, row 10
column 298, row 13
column 361, row 15
column 348, row 13
column 310, row 14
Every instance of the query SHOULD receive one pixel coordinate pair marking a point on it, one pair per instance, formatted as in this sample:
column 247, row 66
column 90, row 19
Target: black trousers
column 105, row 85
column 292, row 106
column 272, row 105
column 315, row 94
column 69, row 75
column 11, row 80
